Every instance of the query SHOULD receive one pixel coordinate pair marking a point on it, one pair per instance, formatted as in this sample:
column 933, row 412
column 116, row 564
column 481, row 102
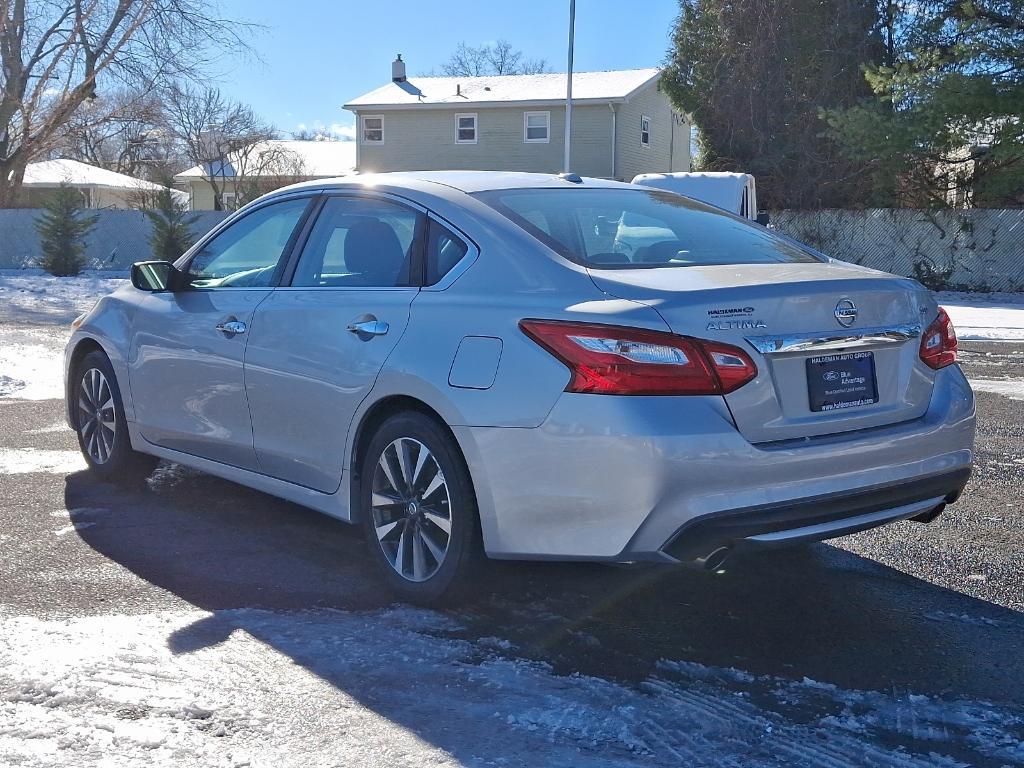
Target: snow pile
column 32, row 296
column 985, row 317
column 396, row 688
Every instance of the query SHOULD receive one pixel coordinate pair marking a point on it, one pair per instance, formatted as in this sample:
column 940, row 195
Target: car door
column 188, row 346
column 318, row 344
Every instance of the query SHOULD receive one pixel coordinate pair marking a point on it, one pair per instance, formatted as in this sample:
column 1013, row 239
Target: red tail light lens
column 938, row 345
column 614, row 360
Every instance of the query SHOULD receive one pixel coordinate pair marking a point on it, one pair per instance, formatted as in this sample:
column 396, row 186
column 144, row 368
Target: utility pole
column 568, row 87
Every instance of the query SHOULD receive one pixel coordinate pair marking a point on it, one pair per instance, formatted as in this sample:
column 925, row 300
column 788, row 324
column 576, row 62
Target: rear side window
column 359, row 242
column 616, row 228
column 444, row 251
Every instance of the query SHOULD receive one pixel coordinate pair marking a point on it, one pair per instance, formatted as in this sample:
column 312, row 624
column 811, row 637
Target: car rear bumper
column 670, row 479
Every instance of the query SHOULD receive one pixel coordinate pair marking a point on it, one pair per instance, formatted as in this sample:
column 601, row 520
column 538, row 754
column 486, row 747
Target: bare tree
column 236, row 150
column 56, row 55
column 123, row 132
column 491, row 59
column 214, row 132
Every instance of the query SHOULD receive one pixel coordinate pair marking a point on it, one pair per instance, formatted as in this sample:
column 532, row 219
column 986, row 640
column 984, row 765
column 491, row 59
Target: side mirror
column 763, row 218
column 156, row 276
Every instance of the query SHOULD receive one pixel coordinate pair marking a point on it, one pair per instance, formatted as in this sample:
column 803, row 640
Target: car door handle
column 231, row 327
column 369, row 328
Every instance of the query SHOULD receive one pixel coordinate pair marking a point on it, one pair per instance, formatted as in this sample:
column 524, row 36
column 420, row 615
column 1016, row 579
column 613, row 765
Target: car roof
column 464, row 181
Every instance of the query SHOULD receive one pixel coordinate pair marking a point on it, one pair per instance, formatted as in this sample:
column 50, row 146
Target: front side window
column 645, row 130
column 465, row 129
column 536, row 127
column 614, row 228
column 359, row 242
column 247, row 253
column 373, row 129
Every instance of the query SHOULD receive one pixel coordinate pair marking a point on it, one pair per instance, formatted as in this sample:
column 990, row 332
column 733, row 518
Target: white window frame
column 363, row 129
column 526, row 128
column 645, row 128
column 229, row 200
column 476, row 127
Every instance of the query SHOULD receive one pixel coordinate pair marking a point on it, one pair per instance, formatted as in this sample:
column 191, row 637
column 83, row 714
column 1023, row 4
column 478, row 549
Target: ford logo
column 846, row 312
column 831, row 375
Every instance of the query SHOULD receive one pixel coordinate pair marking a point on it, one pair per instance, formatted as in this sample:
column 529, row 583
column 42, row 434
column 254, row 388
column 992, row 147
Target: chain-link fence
column 119, row 238
column 970, row 250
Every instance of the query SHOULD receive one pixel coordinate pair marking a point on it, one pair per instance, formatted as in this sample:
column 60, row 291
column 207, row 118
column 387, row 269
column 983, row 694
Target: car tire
column 419, row 511
column 98, row 414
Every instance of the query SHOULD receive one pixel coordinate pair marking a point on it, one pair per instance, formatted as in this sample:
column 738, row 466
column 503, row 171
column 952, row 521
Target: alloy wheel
column 96, row 415
column 411, row 509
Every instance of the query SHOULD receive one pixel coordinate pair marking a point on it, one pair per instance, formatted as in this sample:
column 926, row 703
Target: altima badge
column 846, row 312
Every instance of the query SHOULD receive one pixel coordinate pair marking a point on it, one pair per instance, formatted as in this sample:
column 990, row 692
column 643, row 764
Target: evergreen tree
column 62, row 231
column 948, row 106
column 172, row 226
column 755, row 75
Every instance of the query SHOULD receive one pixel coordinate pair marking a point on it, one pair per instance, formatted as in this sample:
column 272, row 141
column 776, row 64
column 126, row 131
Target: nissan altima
column 528, row 366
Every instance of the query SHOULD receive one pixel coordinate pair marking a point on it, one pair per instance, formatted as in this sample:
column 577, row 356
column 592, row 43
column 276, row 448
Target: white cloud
column 339, row 131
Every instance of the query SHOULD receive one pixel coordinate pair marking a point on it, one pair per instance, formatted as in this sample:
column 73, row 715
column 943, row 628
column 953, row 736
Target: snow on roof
column 317, row 159
column 49, row 173
column 615, row 85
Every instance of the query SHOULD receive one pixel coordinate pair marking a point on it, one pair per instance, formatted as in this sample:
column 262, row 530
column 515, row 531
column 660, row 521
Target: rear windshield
column 637, row 229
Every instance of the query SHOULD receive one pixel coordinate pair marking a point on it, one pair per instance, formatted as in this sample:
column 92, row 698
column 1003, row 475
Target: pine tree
column 62, row 231
column 171, row 235
column 755, row 75
column 947, row 106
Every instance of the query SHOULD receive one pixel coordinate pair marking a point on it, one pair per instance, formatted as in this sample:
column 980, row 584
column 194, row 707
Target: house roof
column 318, row 159
column 500, row 90
column 52, row 173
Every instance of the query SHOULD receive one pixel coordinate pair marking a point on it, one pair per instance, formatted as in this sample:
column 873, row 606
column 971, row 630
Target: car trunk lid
column 799, row 322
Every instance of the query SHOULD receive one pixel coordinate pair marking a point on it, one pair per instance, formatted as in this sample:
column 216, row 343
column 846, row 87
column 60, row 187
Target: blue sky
column 317, row 54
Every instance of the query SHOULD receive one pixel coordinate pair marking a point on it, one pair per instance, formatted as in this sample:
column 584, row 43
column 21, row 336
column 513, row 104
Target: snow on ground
column 32, row 362
column 1011, row 388
column 396, row 688
column 23, row 461
column 985, row 317
column 32, row 296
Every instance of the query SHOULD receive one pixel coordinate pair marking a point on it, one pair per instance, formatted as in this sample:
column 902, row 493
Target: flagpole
column 568, row 87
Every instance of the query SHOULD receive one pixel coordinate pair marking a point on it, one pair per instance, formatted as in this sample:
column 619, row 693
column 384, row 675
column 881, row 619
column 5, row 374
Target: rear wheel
column 100, row 423
column 418, row 509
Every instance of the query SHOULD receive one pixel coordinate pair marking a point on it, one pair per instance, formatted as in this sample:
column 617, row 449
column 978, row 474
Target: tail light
column 938, row 345
column 613, row 360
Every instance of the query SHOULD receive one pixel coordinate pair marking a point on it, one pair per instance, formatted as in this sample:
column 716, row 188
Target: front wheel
column 100, row 424
column 418, row 509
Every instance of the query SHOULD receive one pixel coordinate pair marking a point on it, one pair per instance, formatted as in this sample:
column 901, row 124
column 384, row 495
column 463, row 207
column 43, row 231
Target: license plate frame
column 841, row 381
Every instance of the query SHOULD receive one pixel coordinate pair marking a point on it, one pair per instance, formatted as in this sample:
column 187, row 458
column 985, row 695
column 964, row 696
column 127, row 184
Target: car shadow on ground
column 817, row 612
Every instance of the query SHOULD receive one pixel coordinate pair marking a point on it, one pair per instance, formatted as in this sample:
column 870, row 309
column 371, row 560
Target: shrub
column 171, row 235
column 62, row 231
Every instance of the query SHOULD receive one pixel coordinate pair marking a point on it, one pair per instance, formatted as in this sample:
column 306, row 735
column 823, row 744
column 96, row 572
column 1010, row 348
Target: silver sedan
column 528, row 366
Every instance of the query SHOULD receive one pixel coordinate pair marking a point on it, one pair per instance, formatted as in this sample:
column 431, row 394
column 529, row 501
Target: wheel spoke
column 441, row 522
column 385, row 466
column 435, row 550
column 402, row 454
column 386, row 528
column 436, row 483
column 421, row 459
column 378, row 499
column 400, row 553
column 419, row 565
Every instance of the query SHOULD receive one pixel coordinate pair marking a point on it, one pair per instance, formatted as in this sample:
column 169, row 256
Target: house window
column 465, row 129
column 645, row 130
column 229, row 200
column 373, row 129
column 536, row 127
